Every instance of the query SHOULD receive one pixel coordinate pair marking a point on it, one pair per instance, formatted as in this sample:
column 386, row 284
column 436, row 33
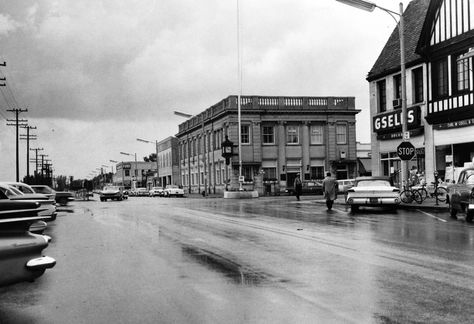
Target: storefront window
column 269, row 174
column 317, row 172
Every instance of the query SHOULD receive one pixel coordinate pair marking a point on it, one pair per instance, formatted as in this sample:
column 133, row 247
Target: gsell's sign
column 392, row 121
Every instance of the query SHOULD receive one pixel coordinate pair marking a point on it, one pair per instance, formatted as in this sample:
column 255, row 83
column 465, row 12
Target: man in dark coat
column 298, row 186
column 329, row 190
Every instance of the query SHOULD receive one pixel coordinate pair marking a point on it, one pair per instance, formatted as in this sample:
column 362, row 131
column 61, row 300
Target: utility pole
column 28, row 137
column 17, row 123
column 36, row 163
column 42, row 164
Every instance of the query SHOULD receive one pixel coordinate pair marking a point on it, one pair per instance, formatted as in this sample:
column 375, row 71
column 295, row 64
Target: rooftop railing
column 270, row 103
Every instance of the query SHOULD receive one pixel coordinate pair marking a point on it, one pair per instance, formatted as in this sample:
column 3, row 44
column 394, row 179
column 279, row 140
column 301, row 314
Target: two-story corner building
column 131, row 174
column 439, row 89
column 280, row 137
column 168, row 162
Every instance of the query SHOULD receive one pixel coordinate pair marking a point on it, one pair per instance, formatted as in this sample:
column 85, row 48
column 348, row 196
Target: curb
column 440, row 207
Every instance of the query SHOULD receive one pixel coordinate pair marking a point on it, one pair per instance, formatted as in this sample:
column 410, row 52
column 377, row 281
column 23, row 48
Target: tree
column 150, row 158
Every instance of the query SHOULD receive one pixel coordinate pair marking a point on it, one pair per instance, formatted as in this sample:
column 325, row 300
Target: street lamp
column 157, row 162
column 136, row 172
column 369, row 6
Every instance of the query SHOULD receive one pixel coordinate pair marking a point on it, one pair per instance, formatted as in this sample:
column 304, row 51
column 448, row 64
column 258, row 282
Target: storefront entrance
column 455, row 154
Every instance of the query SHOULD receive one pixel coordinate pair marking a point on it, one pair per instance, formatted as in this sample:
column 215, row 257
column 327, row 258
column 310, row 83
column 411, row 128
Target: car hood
column 30, row 197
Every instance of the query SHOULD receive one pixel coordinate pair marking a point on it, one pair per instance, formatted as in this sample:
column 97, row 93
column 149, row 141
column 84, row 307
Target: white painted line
column 432, row 216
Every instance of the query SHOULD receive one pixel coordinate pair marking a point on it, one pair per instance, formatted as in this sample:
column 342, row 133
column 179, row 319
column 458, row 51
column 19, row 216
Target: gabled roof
column 388, row 61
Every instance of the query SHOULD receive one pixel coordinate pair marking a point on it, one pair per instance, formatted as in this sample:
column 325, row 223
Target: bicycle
column 408, row 195
column 440, row 193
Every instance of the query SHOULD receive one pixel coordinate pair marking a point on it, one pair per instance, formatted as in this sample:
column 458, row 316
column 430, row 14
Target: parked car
column 61, row 197
column 374, row 192
column 344, row 185
column 112, row 193
column 461, row 195
column 311, row 187
column 156, row 191
column 173, row 190
column 21, row 257
column 48, row 205
column 141, row 192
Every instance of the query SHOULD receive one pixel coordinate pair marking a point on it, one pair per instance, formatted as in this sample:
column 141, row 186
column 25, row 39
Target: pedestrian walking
column 329, row 190
column 298, row 186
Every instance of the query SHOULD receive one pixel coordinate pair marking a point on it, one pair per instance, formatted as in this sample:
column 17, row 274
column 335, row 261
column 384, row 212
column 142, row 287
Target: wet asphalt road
column 267, row 260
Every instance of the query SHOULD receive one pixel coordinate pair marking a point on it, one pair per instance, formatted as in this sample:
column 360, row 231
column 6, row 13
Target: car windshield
column 23, row 188
column 10, row 191
column 373, row 183
column 43, row 190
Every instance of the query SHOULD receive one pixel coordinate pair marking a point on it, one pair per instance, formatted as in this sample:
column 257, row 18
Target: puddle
column 230, row 269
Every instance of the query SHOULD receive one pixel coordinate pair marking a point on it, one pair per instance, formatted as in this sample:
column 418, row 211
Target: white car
column 47, row 205
column 173, row 190
column 373, row 192
column 112, row 193
column 156, row 191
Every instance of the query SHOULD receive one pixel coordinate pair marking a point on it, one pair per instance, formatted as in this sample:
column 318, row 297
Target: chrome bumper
column 40, row 264
column 373, row 201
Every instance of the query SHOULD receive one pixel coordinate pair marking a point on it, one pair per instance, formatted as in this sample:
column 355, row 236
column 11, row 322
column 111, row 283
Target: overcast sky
column 95, row 75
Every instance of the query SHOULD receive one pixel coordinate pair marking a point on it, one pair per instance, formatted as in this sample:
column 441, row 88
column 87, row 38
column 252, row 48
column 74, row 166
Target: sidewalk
column 427, row 204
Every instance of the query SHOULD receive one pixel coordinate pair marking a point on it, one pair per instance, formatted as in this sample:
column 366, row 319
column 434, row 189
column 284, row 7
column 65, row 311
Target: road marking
column 432, row 216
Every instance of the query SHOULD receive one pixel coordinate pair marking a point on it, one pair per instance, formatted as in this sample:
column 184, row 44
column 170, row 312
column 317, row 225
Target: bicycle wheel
column 406, row 196
column 424, row 193
column 441, row 193
column 417, row 196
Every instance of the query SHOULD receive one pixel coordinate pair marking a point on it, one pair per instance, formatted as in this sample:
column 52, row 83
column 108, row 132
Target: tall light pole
column 136, row 172
column 369, row 6
column 178, row 113
column 157, row 162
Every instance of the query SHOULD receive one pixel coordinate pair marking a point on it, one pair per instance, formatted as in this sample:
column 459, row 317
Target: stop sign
column 406, row 151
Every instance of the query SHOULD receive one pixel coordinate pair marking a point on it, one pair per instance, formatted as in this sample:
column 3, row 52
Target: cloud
column 7, row 25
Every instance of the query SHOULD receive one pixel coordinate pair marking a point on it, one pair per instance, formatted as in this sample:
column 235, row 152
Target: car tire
column 354, row 208
column 62, row 201
column 453, row 212
column 469, row 216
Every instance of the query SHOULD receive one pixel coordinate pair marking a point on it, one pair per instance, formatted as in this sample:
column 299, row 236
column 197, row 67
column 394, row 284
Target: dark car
column 61, row 197
column 312, row 187
column 21, row 257
column 461, row 195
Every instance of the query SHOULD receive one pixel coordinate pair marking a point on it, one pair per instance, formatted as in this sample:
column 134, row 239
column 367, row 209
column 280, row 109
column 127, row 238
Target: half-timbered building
column 439, row 42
